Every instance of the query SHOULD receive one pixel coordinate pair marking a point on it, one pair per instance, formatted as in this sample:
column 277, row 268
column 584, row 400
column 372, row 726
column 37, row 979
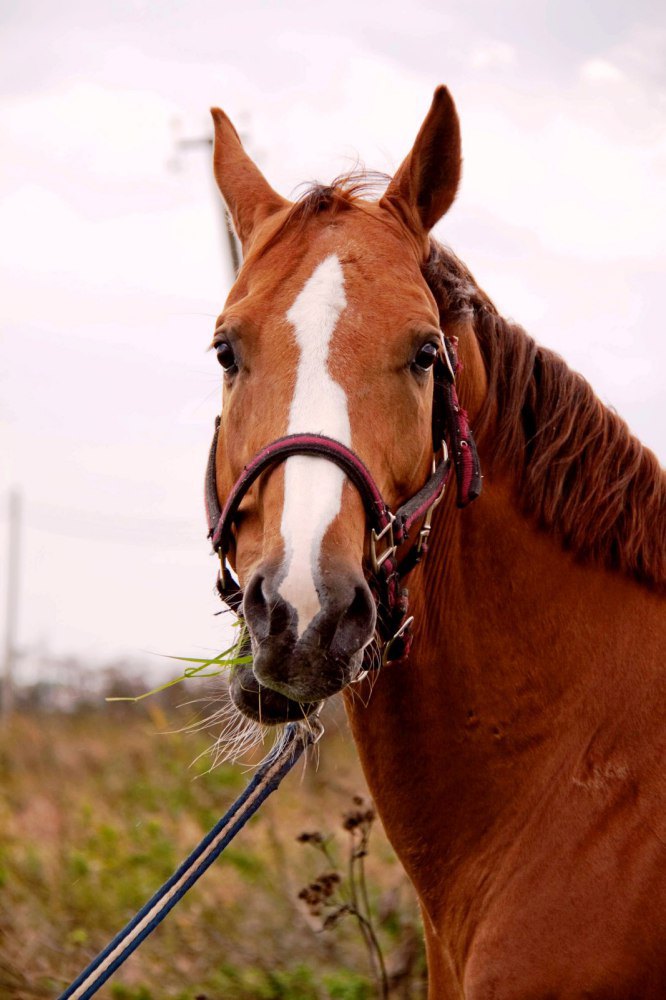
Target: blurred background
column 114, row 263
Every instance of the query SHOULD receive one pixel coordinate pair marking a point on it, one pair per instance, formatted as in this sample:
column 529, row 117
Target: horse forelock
column 578, row 468
column 352, row 190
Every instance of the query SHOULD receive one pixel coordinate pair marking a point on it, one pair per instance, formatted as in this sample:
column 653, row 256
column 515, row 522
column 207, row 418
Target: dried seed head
column 310, row 838
column 351, row 820
column 328, row 882
column 363, row 815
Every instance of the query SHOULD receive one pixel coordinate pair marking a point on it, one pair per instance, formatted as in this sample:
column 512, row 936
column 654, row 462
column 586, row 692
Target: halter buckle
column 406, row 625
column 391, row 548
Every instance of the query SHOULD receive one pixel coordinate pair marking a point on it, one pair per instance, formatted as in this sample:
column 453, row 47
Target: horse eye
column 226, row 356
column 425, row 357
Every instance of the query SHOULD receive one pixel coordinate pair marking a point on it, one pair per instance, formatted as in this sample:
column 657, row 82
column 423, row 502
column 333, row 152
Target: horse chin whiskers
column 239, row 735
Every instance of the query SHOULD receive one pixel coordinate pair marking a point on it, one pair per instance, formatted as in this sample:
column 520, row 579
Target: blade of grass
column 223, row 661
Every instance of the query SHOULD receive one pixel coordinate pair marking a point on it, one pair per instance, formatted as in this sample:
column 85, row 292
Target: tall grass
column 98, row 808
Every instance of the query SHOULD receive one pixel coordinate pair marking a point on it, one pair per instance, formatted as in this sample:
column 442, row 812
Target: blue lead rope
column 297, row 737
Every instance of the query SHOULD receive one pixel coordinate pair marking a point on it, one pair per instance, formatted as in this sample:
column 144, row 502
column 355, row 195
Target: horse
column 510, row 721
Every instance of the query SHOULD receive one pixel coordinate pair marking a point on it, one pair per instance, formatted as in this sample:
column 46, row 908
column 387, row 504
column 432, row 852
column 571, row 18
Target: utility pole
column 12, row 606
column 206, row 142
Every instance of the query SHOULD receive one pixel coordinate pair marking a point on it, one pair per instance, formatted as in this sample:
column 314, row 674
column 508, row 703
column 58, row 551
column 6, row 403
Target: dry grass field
column 98, row 807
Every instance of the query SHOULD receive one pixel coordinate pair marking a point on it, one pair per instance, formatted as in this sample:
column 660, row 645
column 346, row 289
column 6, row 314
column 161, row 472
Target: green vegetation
column 97, row 808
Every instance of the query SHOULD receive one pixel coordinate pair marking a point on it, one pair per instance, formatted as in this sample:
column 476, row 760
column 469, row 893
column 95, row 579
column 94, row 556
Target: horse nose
column 344, row 624
column 309, row 661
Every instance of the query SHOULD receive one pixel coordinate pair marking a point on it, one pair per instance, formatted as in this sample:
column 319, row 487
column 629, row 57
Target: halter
column 389, row 530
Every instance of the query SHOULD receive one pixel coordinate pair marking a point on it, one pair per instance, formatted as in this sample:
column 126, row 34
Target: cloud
column 492, row 55
column 600, row 71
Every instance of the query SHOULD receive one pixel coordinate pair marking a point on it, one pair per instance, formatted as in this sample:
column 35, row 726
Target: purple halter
column 389, row 531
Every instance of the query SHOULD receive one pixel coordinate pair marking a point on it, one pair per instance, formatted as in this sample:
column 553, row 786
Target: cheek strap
column 450, row 423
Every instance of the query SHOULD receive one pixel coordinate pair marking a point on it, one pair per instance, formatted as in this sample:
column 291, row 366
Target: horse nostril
column 362, row 607
column 266, row 613
column 357, row 623
column 254, row 594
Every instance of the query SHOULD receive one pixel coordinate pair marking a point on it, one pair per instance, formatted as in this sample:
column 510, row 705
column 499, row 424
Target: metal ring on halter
column 404, row 628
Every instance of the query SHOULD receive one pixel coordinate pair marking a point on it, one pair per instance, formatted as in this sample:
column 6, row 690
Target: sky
column 113, row 263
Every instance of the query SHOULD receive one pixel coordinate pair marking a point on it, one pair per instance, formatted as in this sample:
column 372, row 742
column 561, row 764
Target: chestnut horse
column 515, row 756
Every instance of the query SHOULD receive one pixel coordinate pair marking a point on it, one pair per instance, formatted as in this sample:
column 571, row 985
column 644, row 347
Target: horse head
column 330, row 329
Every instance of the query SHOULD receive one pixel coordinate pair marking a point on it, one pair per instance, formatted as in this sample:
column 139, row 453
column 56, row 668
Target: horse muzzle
column 319, row 660
column 262, row 704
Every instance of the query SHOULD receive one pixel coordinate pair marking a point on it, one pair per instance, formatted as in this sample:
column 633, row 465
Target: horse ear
column 427, row 181
column 248, row 195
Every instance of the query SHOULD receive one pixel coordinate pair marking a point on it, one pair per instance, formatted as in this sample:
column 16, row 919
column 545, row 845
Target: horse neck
column 525, row 666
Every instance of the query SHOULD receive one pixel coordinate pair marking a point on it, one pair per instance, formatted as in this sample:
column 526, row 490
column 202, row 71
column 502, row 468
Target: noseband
column 389, row 530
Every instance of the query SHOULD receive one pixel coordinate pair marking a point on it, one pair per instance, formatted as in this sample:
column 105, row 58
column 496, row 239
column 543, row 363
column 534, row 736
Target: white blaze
column 313, row 486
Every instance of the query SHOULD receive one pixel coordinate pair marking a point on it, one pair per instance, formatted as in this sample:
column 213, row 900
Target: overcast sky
column 113, row 265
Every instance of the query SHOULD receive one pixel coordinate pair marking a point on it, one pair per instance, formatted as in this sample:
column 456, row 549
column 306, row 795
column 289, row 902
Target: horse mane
column 578, row 468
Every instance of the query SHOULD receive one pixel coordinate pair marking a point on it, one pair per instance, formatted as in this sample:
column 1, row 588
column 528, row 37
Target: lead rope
column 297, row 737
